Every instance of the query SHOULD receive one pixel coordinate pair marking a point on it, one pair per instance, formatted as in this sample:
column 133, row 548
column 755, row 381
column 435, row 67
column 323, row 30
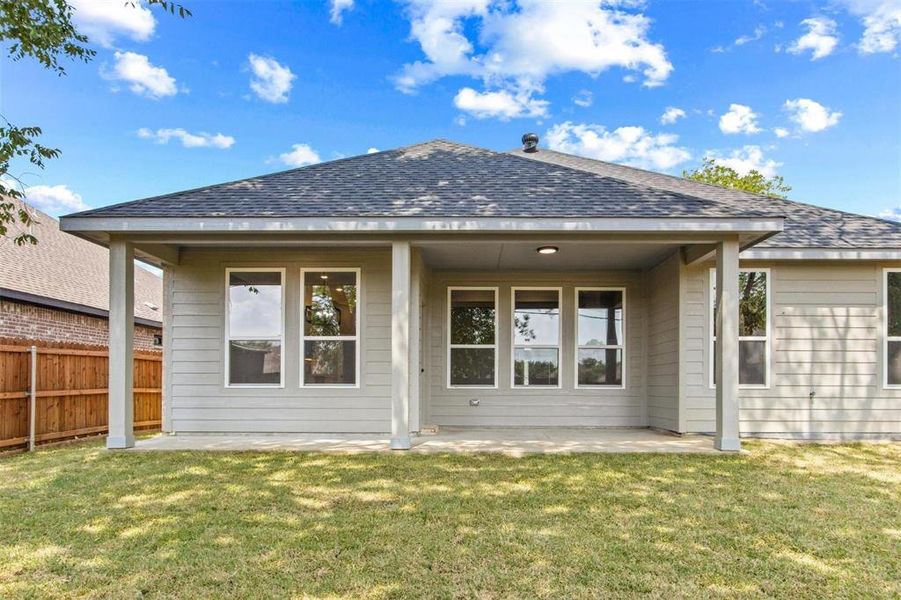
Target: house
column 57, row 290
column 442, row 284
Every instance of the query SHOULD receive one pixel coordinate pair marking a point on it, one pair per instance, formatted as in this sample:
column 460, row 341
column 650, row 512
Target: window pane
column 330, row 303
column 751, row 303
column 600, row 318
column 472, row 366
column 472, row 317
column 601, row 367
column 535, row 366
column 254, row 304
column 894, row 303
column 254, row 362
column 751, row 362
column 536, row 317
column 894, row 363
column 330, row 362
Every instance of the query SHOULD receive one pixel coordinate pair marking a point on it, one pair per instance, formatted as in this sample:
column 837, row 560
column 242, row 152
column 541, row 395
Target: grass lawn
column 786, row 520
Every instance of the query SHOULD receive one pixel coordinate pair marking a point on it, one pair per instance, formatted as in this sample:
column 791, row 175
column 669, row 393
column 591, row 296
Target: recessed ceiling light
column 548, row 249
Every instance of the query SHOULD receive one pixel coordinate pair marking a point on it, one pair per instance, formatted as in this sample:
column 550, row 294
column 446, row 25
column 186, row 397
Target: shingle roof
column 433, row 179
column 63, row 267
column 806, row 226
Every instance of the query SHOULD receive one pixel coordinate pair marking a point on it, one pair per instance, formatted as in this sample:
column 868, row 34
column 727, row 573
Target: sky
column 809, row 90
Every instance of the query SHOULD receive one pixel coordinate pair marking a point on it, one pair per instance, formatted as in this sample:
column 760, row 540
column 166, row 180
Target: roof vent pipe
column 530, row 142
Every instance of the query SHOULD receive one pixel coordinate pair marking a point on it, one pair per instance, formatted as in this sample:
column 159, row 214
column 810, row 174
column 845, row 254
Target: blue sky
column 808, row 90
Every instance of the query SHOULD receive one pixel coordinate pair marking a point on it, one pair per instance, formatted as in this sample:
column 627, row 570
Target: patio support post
column 400, row 345
column 727, row 436
column 121, row 344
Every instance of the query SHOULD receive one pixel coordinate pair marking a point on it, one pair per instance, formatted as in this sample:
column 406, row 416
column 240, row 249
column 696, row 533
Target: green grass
column 784, row 520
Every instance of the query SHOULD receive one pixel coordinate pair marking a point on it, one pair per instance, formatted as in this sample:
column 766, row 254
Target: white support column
column 416, row 276
column 400, row 345
column 727, row 436
column 121, row 344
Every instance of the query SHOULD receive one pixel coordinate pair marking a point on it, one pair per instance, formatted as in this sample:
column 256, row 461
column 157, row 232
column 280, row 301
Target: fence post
column 32, row 397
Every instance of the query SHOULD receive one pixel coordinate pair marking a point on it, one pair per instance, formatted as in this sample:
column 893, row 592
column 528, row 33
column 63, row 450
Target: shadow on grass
column 788, row 520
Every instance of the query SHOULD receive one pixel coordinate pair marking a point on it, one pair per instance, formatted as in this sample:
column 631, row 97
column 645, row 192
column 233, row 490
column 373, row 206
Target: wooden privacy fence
column 68, row 387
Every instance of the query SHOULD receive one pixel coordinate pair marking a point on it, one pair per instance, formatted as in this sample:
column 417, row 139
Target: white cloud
column 746, row 159
column 891, row 214
column 372, row 150
column 820, row 38
column 811, row 116
column 759, row 32
column 671, row 115
column 271, row 81
column 881, row 20
column 584, row 98
column 54, row 200
column 513, row 47
column 105, row 20
column 780, row 132
column 142, row 77
column 338, row 7
column 188, row 140
column 629, row 145
column 739, row 119
column 502, row 104
column 300, row 156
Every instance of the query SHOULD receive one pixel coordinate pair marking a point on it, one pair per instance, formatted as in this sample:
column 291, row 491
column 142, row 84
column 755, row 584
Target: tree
column 754, row 181
column 42, row 30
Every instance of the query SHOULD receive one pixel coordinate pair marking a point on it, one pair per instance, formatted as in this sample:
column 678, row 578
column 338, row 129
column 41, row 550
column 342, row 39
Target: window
column 753, row 327
column 254, row 327
column 331, row 350
column 536, row 337
column 472, row 337
column 892, row 348
column 600, row 336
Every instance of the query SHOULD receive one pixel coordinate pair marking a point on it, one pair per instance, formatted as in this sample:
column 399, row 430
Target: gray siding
column 197, row 399
column 539, row 407
column 663, row 344
column 826, row 338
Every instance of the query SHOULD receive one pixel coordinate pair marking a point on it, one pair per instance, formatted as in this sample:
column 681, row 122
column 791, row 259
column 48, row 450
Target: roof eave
column 89, row 226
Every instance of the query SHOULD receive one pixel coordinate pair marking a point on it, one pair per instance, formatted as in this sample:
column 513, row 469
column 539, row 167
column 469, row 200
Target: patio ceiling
column 523, row 256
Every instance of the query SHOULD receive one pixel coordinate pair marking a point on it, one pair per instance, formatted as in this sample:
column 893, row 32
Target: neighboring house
column 58, row 291
column 443, row 284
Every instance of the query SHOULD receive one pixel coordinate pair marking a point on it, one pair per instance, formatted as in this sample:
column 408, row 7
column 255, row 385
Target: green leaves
column 43, row 30
column 18, row 142
column 753, row 182
column 172, row 7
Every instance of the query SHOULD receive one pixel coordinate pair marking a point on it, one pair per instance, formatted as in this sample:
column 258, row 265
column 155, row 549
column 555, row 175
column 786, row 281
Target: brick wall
column 27, row 321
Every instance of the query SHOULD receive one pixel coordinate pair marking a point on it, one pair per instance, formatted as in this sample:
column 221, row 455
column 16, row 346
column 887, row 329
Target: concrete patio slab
column 512, row 442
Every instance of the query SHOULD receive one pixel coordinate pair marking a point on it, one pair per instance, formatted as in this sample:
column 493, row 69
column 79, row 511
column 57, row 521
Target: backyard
column 786, row 520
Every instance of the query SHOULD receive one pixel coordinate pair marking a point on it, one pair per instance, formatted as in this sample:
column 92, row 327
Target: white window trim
column 451, row 346
column 886, row 338
column 228, row 338
column 514, row 345
column 743, row 338
column 336, row 338
column 577, row 347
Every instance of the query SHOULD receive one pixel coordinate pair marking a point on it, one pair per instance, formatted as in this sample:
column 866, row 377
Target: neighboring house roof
column 68, row 272
column 806, row 226
column 432, row 179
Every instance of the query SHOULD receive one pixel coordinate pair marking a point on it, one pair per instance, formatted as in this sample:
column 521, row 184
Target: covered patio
column 507, row 441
